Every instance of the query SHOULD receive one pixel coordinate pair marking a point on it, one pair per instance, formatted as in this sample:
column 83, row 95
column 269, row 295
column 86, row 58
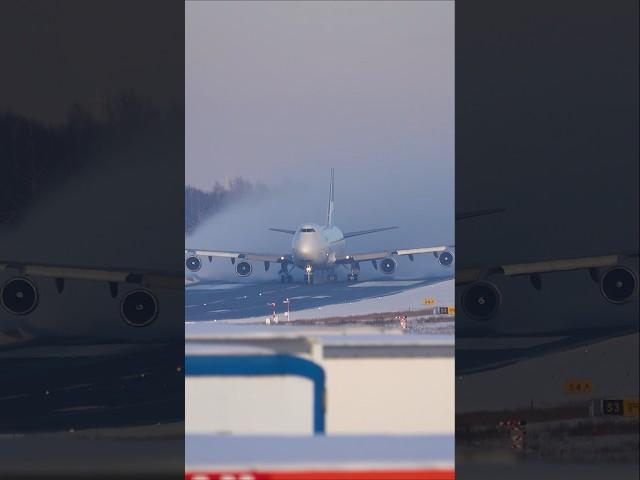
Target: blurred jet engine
column 19, row 296
column 244, row 269
column 445, row 259
column 193, row 263
column 618, row 284
column 139, row 308
column 388, row 266
column 481, row 301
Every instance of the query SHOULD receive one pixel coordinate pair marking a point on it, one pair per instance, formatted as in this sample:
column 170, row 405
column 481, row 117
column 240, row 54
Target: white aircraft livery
column 318, row 248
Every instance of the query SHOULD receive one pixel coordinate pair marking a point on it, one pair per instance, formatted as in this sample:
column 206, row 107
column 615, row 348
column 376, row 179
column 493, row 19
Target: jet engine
column 19, row 296
column 388, row 266
column 139, row 308
column 193, row 263
column 481, row 301
column 244, row 269
column 618, row 284
column 445, row 258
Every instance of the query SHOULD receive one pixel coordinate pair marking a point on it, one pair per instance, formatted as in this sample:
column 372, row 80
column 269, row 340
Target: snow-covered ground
column 540, row 381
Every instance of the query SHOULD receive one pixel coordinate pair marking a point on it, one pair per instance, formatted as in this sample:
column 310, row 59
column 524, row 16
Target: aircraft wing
column 366, row 232
column 478, row 213
column 283, row 230
column 542, row 266
column 372, row 256
column 256, row 257
column 146, row 278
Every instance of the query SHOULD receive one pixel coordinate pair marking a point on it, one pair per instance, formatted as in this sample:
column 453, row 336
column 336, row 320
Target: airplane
column 47, row 300
column 40, row 300
column 508, row 312
column 319, row 248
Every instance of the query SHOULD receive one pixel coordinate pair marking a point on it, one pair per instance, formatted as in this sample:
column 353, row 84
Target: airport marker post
column 288, row 302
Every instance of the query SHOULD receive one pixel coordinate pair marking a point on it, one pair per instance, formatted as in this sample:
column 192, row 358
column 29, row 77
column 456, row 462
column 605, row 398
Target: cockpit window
column 307, row 230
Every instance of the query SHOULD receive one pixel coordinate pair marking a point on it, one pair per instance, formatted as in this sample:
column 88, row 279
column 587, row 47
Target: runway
column 208, row 301
column 52, row 387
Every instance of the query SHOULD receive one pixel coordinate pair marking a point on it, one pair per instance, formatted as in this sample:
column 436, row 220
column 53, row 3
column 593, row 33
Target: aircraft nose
column 306, row 250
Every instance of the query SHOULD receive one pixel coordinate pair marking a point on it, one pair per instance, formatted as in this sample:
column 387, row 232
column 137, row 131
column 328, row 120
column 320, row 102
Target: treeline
column 35, row 156
column 200, row 204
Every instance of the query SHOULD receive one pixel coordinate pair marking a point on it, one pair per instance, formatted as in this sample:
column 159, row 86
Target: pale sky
column 280, row 92
column 57, row 53
column 288, row 89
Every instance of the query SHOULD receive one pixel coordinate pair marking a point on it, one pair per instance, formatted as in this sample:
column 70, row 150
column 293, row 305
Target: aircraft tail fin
column 331, row 197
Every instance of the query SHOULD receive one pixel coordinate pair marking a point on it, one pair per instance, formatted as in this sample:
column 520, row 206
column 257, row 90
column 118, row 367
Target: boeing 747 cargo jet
column 318, row 248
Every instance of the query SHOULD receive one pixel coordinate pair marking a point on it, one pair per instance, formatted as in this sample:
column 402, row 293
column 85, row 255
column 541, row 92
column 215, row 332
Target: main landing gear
column 355, row 271
column 285, row 276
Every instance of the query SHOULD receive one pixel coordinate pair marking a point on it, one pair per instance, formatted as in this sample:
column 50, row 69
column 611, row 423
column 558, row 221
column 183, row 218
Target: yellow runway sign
column 631, row 407
column 578, row 386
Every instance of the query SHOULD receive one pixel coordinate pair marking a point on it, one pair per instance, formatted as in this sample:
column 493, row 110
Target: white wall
column 248, row 405
column 412, row 395
column 390, row 395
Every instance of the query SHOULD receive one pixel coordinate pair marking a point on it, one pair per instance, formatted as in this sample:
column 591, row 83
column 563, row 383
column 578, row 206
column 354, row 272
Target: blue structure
column 264, row 365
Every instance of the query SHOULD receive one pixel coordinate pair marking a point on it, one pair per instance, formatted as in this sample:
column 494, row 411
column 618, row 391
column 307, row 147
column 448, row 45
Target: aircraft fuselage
column 317, row 246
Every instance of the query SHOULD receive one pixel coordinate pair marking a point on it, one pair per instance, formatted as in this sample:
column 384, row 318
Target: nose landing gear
column 308, row 275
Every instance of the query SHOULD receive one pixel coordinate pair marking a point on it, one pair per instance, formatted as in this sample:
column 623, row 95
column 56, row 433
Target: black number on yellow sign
column 578, row 386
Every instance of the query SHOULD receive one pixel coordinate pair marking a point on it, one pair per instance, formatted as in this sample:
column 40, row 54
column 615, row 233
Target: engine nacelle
column 193, row 263
column 481, row 301
column 139, row 308
column 19, row 296
column 618, row 284
column 388, row 266
column 445, row 259
column 243, row 269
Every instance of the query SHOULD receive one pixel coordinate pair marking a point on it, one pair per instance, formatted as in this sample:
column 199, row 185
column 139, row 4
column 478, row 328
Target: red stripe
column 325, row 475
